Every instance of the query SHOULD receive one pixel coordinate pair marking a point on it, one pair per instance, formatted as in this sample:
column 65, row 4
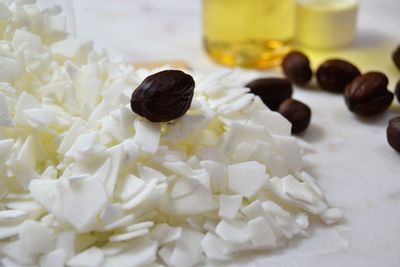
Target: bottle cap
column 326, row 24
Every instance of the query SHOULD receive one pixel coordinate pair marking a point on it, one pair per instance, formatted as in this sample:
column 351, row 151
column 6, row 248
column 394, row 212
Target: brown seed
column 397, row 91
column 297, row 113
column 333, row 75
column 368, row 94
column 296, row 67
column 396, row 57
column 272, row 91
column 163, row 96
column 393, row 133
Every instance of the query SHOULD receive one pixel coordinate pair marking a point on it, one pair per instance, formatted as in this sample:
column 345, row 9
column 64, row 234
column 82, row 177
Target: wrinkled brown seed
column 393, row 133
column 272, row 91
column 163, row 96
column 396, row 57
column 296, row 67
column 297, row 113
column 333, row 75
column 368, row 94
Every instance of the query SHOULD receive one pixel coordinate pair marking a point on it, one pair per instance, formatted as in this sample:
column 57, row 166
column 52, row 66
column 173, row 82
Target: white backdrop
column 353, row 163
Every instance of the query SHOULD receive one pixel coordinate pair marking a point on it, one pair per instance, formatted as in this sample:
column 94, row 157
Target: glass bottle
column 248, row 33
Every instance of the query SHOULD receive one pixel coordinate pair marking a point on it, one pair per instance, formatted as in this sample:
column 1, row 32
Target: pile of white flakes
column 86, row 182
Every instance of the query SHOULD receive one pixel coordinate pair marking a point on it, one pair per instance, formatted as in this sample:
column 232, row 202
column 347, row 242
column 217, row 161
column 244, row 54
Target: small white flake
column 229, row 206
column 246, row 178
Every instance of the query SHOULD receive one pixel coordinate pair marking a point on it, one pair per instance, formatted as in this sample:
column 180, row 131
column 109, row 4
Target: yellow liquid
column 248, row 33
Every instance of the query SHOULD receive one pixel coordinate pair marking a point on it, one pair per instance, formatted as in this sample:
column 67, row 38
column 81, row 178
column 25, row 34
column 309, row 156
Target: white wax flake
column 12, row 215
column 83, row 202
column 36, row 238
column 246, row 178
column 273, row 122
column 5, row 119
column 187, row 249
column 84, row 181
column 332, row 215
column 229, row 206
column 10, row 69
column 55, row 258
column 164, row 233
column 197, row 202
column 22, row 37
column 233, row 231
column 147, row 135
column 91, row 257
column 262, row 235
column 214, row 247
column 296, row 189
column 141, row 252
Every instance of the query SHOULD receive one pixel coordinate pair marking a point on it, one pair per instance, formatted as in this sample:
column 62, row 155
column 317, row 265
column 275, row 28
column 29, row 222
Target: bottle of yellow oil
column 248, row 33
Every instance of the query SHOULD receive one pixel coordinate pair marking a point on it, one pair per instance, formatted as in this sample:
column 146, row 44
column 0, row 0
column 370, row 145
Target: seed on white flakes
column 36, row 238
column 55, row 258
column 92, row 257
column 233, row 231
column 262, row 234
column 246, row 178
column 147, row 135
column 229, row 206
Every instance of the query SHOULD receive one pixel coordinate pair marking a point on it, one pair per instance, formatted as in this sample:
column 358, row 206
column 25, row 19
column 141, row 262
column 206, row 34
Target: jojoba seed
column 393, row 133
column 397, row 91
column 296, row 67
column 298, row 113
column 368, row 94
column 333, row 75
column 396, row 57
column 272, row 91
column 163, row 96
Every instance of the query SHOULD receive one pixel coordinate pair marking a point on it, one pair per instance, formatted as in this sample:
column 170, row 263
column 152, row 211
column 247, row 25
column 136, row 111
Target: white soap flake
column 147, row 135
column 246, row 178
column 229, row 206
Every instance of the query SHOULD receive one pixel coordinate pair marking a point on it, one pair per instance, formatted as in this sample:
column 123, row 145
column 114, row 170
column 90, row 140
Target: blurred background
column 152, row 30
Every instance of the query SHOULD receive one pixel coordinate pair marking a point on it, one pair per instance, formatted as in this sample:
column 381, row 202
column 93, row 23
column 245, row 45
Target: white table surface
column 354, row 165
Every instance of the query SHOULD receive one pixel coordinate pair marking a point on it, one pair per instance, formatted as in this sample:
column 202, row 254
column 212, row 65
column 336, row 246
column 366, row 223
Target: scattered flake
column 214, row 247
column 246, row 178
column 147, row 135
column 262, row 235
column 332, row 215
column 55, row 258
column 91, row 257
column 233, row 231
column 229, row 206
column 36, row 238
